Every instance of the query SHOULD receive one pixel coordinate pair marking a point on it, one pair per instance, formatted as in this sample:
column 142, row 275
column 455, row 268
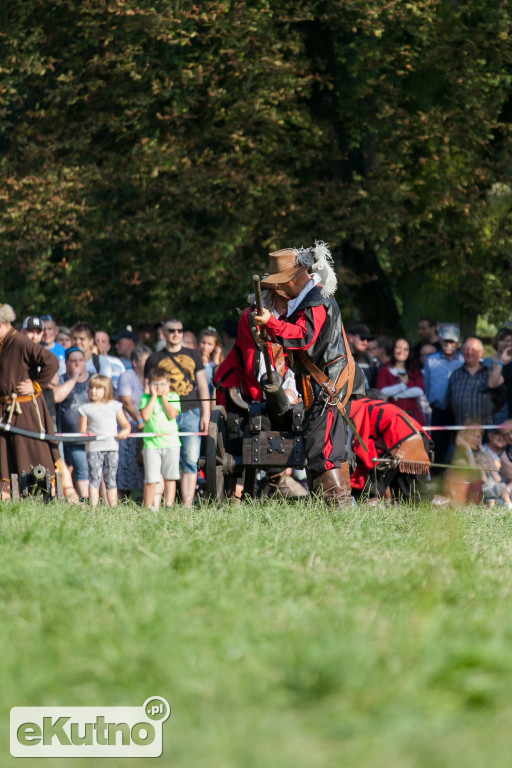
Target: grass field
column 282, row 635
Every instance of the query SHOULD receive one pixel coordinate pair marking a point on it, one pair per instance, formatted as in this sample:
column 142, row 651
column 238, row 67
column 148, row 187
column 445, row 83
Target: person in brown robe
column 25, row 369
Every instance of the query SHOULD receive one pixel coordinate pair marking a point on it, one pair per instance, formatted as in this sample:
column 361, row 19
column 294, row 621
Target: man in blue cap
column 438, row 369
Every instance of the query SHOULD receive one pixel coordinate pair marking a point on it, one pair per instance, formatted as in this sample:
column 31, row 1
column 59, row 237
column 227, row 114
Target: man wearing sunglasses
column 358, row 335
column 188, row 379
column 438, row 369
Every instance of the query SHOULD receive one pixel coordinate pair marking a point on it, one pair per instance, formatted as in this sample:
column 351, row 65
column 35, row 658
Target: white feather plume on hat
column 319, row 258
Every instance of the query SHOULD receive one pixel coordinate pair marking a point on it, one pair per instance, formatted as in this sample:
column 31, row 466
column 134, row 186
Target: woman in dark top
column 401, row 380
column 69, row 396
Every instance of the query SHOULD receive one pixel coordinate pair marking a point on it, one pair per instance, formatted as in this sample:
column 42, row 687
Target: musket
column 272, row 383
column 263, row 331
column 45, row 436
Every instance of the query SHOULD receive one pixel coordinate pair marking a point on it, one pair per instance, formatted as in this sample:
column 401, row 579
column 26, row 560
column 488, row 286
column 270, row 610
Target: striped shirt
column 470, row 396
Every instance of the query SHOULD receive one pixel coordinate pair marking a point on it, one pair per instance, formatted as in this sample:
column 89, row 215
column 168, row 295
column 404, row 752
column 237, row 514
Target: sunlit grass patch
column 281, row 634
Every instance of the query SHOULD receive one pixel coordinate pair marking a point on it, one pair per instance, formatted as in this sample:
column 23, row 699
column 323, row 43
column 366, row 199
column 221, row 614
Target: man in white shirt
column 83, row 337
column 103, row 346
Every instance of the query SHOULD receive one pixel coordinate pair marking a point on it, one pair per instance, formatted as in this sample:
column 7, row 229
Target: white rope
column 133, row 435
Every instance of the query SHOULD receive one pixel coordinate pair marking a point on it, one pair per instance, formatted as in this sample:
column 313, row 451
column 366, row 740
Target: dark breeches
column 325, row 437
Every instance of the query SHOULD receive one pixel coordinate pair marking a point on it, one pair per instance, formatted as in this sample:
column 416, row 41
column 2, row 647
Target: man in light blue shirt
column 50, row 332
column 438, row 369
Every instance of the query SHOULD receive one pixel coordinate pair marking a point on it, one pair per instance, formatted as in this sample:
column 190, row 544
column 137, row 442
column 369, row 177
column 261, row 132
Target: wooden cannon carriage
column 241, row 442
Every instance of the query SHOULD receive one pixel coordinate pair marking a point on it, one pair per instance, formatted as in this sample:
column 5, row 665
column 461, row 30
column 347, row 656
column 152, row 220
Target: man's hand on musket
column 263, row 318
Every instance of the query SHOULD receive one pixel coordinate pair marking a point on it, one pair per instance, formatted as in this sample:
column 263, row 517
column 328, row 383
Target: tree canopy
column 152, row 153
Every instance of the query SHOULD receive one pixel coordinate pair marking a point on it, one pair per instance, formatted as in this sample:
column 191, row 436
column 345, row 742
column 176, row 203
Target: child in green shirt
column 161, row 454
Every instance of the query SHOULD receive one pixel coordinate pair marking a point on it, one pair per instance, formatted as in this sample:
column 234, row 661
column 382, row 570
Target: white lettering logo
column 89, row 731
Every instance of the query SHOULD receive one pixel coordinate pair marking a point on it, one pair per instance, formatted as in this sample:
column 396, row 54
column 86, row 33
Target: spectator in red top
column 401, row 381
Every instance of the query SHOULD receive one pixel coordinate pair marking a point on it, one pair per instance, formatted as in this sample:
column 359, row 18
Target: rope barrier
column 135, row 435
column 79, row 437
column 458, row 428
column 90, row 437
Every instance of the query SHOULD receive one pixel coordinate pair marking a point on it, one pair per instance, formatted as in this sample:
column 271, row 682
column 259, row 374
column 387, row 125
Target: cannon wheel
column 215, row 452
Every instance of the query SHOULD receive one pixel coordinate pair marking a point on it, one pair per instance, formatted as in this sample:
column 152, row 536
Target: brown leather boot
column 286, row 486
column 334, row 486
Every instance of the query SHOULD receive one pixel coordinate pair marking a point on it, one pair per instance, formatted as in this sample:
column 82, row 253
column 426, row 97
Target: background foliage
column 151, row 153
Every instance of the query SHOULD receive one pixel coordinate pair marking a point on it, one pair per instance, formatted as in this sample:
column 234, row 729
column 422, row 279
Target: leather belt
column 4, row 399
column 331, row 390
column 324, row 382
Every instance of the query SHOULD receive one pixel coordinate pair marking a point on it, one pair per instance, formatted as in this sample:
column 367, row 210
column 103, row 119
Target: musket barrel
column 272, row 383
column 263, row 330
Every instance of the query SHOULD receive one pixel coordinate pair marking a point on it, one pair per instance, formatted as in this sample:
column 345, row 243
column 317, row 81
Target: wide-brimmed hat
column 290, row 263
column 283, row 267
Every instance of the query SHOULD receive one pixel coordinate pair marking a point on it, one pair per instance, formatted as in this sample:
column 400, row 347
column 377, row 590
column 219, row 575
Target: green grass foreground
column 282, row 635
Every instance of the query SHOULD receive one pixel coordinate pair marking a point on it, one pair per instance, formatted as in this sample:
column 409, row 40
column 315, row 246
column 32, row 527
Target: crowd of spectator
column 445, row 382
column 440, row 380
column 157, row 383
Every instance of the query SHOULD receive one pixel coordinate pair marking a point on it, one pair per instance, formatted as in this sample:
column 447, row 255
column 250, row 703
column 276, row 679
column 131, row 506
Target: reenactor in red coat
column 312, row 335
